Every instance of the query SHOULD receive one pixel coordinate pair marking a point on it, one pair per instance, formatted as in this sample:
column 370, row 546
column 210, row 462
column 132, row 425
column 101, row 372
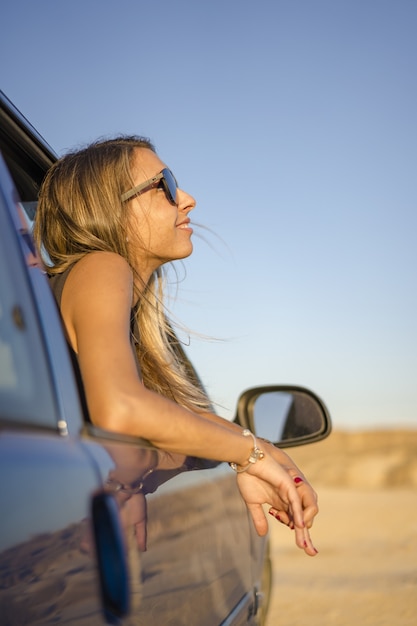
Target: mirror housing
column 285, row 415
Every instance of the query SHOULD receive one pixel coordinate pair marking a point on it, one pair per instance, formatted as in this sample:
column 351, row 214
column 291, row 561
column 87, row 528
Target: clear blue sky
column 294, row 124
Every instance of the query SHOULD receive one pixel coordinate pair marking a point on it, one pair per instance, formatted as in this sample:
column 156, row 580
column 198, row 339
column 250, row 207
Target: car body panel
column 46, row 573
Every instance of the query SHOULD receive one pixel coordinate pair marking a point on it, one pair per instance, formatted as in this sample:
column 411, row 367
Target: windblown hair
column 80, row 211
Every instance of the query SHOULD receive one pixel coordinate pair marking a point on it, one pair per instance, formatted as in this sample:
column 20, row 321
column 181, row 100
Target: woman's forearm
column 173, row 428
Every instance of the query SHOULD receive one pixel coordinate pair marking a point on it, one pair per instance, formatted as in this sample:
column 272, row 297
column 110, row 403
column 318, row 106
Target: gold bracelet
column 256, row 455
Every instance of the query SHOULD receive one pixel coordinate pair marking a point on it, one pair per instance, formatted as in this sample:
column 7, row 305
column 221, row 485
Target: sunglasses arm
column 136, row 191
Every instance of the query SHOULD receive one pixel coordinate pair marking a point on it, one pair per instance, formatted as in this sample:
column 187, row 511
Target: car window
column 26, row 393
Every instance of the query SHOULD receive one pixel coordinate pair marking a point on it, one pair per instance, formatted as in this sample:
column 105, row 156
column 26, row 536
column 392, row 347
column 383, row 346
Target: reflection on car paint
column 197, row 540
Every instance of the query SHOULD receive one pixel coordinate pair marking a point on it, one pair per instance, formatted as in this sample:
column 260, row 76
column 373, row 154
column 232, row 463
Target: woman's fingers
column 308, row 497
column 306, row 492
column 300, row 514
column 280, row 516
column 302, row 535
column 304, row 542
column 309, row 502
column 259, row 520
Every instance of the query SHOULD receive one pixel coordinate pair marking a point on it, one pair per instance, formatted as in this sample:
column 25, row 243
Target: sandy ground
column 366, row 534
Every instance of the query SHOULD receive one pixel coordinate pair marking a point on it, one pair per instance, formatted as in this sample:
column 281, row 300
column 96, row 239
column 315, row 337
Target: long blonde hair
column 80, row 211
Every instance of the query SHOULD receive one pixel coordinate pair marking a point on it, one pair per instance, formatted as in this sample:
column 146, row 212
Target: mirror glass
column 282, row 415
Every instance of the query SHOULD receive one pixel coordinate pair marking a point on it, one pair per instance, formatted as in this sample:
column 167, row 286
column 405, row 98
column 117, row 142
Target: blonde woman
column 109, row 217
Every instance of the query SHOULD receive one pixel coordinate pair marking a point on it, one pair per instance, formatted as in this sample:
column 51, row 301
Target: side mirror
column 285, row 415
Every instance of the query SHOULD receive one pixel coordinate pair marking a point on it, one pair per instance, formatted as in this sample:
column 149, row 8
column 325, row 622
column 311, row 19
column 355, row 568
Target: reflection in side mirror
column 287, row 416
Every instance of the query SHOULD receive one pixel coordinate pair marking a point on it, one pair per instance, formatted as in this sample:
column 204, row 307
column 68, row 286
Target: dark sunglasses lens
column 170, row 185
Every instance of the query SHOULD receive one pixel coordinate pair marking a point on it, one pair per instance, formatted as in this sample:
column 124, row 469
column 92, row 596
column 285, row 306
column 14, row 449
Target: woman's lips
column 184, row 225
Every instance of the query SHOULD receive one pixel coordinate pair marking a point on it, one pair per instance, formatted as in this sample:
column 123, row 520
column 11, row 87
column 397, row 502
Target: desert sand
column 366, row 534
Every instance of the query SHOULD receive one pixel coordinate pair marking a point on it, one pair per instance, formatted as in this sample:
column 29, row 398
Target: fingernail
column 274, row 514
column 315, row 550
column 305, row 543
column 298, row 480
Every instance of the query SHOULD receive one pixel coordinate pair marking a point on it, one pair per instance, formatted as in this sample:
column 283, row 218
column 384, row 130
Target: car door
column 194, row 557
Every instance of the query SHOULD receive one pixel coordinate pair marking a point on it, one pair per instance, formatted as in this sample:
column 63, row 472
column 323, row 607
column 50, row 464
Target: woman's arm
column 96, row 305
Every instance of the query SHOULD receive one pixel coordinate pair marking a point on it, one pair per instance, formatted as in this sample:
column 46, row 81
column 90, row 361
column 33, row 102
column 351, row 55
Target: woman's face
column 162, row 229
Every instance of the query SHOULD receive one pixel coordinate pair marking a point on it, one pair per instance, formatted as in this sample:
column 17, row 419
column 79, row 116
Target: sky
column 294, row 125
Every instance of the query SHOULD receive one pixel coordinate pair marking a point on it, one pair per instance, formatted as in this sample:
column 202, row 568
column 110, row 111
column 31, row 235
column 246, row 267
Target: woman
column 109, row 217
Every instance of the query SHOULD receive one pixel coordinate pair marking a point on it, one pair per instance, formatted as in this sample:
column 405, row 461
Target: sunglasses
column 166, row 179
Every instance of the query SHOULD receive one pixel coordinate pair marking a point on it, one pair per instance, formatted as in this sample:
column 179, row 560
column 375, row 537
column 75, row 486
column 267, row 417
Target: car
column 77, row 546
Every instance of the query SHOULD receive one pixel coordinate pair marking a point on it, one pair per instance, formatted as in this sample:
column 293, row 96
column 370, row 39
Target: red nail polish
column 305, row 543
column 274, row 515
column 298, row 480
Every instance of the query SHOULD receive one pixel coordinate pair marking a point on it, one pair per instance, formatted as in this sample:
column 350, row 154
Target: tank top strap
column 57, row 283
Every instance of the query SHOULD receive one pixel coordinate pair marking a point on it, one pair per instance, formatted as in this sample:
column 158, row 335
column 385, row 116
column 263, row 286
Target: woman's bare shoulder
column 102, row 262
column 97, row 297
column 100, row 270
column 98, row 278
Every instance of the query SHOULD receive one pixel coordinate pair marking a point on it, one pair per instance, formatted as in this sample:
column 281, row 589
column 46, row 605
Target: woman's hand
column 292, row 503
column 305, row 490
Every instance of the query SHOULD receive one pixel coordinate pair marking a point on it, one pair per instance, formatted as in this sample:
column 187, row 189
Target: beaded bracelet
column 256, row 455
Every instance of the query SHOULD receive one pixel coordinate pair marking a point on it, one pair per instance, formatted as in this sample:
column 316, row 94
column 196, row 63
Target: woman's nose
column 185, row 201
